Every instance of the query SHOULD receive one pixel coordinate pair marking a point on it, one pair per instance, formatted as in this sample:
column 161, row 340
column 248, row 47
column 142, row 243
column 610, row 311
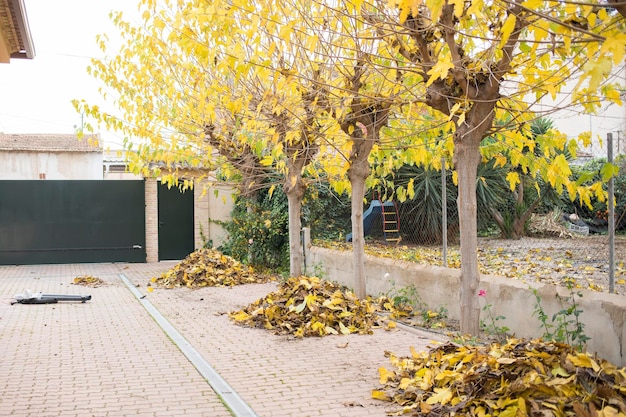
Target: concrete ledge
column 603, row 314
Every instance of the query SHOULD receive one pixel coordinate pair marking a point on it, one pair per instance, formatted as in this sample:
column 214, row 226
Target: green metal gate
column 176, row 237
column 74, row 221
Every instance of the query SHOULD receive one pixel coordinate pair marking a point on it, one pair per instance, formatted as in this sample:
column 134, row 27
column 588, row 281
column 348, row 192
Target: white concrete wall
column 221, row 201
column 604, row 315
column 610, row 118
column 55, row 165
column 121, row 176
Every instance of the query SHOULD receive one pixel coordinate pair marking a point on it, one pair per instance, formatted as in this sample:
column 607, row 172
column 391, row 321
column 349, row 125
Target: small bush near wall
column 258, row 232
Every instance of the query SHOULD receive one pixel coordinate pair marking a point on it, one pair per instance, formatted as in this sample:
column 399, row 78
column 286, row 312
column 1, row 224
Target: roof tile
column 49, row 142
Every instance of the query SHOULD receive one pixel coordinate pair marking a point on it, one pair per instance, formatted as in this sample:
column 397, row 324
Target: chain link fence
column 561, row 242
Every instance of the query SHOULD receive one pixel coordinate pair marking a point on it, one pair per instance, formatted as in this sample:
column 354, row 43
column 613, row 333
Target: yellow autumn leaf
column 507, row 29
column 458, row 7
column 330, row 330
column 435, row 7
column 615, row 46
column 597, row 71
column 267, row 160
column 380, row 395
column 385, row 375
column 441, row 396
column 318, row 327
column 532, row 4
column 584, row 361
column 150, row 289
column 609, row 411
column 241, row 316
column 300, row 307
column 439, row 71
column 404, row 383
column 559, row 371
column 513, row 179
column 510, row 411
column 415, row 354
column 343, row 329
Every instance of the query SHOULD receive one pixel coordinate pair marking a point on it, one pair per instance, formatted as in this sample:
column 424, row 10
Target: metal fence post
column 444, row 213
column 609, row 157
column 306, row 247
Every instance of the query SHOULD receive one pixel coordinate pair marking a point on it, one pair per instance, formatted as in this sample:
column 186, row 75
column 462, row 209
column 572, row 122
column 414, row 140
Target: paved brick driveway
column 108, row 357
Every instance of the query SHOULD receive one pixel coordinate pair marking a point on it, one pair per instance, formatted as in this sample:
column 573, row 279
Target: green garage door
column 71, row 222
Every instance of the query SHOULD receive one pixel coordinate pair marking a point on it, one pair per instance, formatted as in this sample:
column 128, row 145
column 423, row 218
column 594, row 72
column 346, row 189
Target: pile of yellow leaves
column 89, row 281
column 209, row 268
column 518, row 378
column 310, row 306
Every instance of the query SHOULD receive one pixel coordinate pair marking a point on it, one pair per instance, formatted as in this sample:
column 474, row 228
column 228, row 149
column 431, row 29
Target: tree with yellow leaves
column 477, row 61
column 346, row 70
column 211, row 86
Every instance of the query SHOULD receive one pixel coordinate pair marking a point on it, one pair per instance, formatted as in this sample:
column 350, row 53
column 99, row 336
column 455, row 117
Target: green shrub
column 258, row 231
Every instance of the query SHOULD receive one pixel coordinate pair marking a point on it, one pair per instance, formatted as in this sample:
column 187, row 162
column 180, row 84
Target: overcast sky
column 36, row 94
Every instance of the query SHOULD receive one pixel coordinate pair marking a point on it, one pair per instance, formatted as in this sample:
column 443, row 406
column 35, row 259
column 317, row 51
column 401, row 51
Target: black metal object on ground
column 38, row 298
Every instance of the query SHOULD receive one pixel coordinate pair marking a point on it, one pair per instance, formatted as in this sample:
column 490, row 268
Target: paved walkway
column 109, row 357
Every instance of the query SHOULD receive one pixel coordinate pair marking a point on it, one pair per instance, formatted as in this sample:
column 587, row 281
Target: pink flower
column 482, row 293
column 250, row 241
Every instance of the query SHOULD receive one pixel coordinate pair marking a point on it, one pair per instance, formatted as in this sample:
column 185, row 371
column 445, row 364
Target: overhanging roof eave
column 19, row 8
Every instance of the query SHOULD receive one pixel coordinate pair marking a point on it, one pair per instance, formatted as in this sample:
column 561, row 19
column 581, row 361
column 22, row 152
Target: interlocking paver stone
column 108, row 357
column 105, row 357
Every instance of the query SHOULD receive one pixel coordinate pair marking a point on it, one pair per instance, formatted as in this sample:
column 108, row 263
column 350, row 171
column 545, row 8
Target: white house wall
column 53, row 166
column 610, row 118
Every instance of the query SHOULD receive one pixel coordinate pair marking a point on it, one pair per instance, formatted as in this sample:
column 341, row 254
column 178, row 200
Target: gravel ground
column 580, row 260
column 583, row 260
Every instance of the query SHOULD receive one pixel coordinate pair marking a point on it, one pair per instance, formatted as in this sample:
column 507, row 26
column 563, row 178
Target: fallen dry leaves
column 209, row 268
column 549, row 265
column 89, row 281
column 310, row 306
column 519, row 378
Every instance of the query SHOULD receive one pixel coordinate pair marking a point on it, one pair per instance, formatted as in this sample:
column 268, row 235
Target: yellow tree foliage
column 475, row 62
column 405, row 81
column 214, row 86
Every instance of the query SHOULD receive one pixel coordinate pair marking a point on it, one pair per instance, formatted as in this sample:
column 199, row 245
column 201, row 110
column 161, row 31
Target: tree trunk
column 518, row 229
column 357, row 173
column 294, row 188
column 357, row 182
column 499, row 219
column 249, row 210
column 295, row 241
column 467, row 158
